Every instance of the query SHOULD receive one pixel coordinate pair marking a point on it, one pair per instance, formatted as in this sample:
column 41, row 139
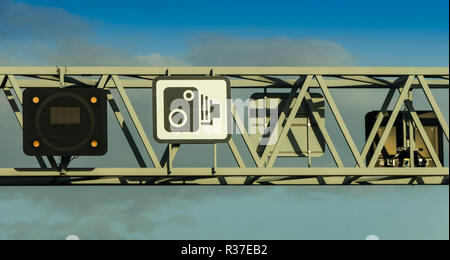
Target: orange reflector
column 94, row 143
column 35, row 100
column 36, row 144
column 94, row 100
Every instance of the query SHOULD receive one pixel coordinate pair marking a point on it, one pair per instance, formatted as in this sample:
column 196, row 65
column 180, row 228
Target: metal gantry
column 300, row 80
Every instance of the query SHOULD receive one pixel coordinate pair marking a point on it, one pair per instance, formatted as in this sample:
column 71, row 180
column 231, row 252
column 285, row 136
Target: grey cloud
column 226, row 50
column 106, row 212
column 43, row 228
column 132, row 198
column 78, row 52
column 34, row 35
column 182, row 220
column 156, row 59
column 18, row 19
column 74, row 52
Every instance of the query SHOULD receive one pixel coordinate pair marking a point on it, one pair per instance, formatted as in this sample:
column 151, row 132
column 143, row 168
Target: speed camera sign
column 191, row 109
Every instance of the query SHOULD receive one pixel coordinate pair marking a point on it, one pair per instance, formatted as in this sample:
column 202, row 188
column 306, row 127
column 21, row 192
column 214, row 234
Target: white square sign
column 191, row 109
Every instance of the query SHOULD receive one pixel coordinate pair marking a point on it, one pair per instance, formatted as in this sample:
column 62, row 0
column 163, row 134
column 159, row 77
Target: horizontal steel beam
column 241, row 71
column 233, row 180
column 280, row 171
column 142, row 83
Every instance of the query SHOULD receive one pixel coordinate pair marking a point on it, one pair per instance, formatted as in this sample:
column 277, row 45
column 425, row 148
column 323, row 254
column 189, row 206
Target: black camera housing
column 65, row 122
column 186, row 109
column 395, row 150
column 176, row 102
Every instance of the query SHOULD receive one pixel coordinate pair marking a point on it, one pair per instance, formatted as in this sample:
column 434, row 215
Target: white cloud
column 33, row 35
column 226, row 50
column 156, row 59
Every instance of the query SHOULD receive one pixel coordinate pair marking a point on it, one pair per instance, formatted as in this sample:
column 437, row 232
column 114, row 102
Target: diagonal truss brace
column 136, row 121
column 18, row 113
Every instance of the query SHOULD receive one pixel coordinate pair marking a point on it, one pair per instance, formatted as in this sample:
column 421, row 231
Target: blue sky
column 382, row 33
column 375, row 32
column 308, row 33
column 207, row 14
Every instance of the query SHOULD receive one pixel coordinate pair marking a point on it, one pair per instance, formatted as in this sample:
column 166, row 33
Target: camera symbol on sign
column 191, row 109
column 186, row 109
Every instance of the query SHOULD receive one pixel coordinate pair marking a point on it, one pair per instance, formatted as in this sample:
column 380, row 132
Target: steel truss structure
column 395, row 79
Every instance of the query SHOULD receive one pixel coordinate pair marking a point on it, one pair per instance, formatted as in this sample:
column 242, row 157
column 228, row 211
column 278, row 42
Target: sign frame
column 228, row 114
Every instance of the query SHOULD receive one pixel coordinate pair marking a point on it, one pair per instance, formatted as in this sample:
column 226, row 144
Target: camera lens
column 188, row 95
column 178, row 118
